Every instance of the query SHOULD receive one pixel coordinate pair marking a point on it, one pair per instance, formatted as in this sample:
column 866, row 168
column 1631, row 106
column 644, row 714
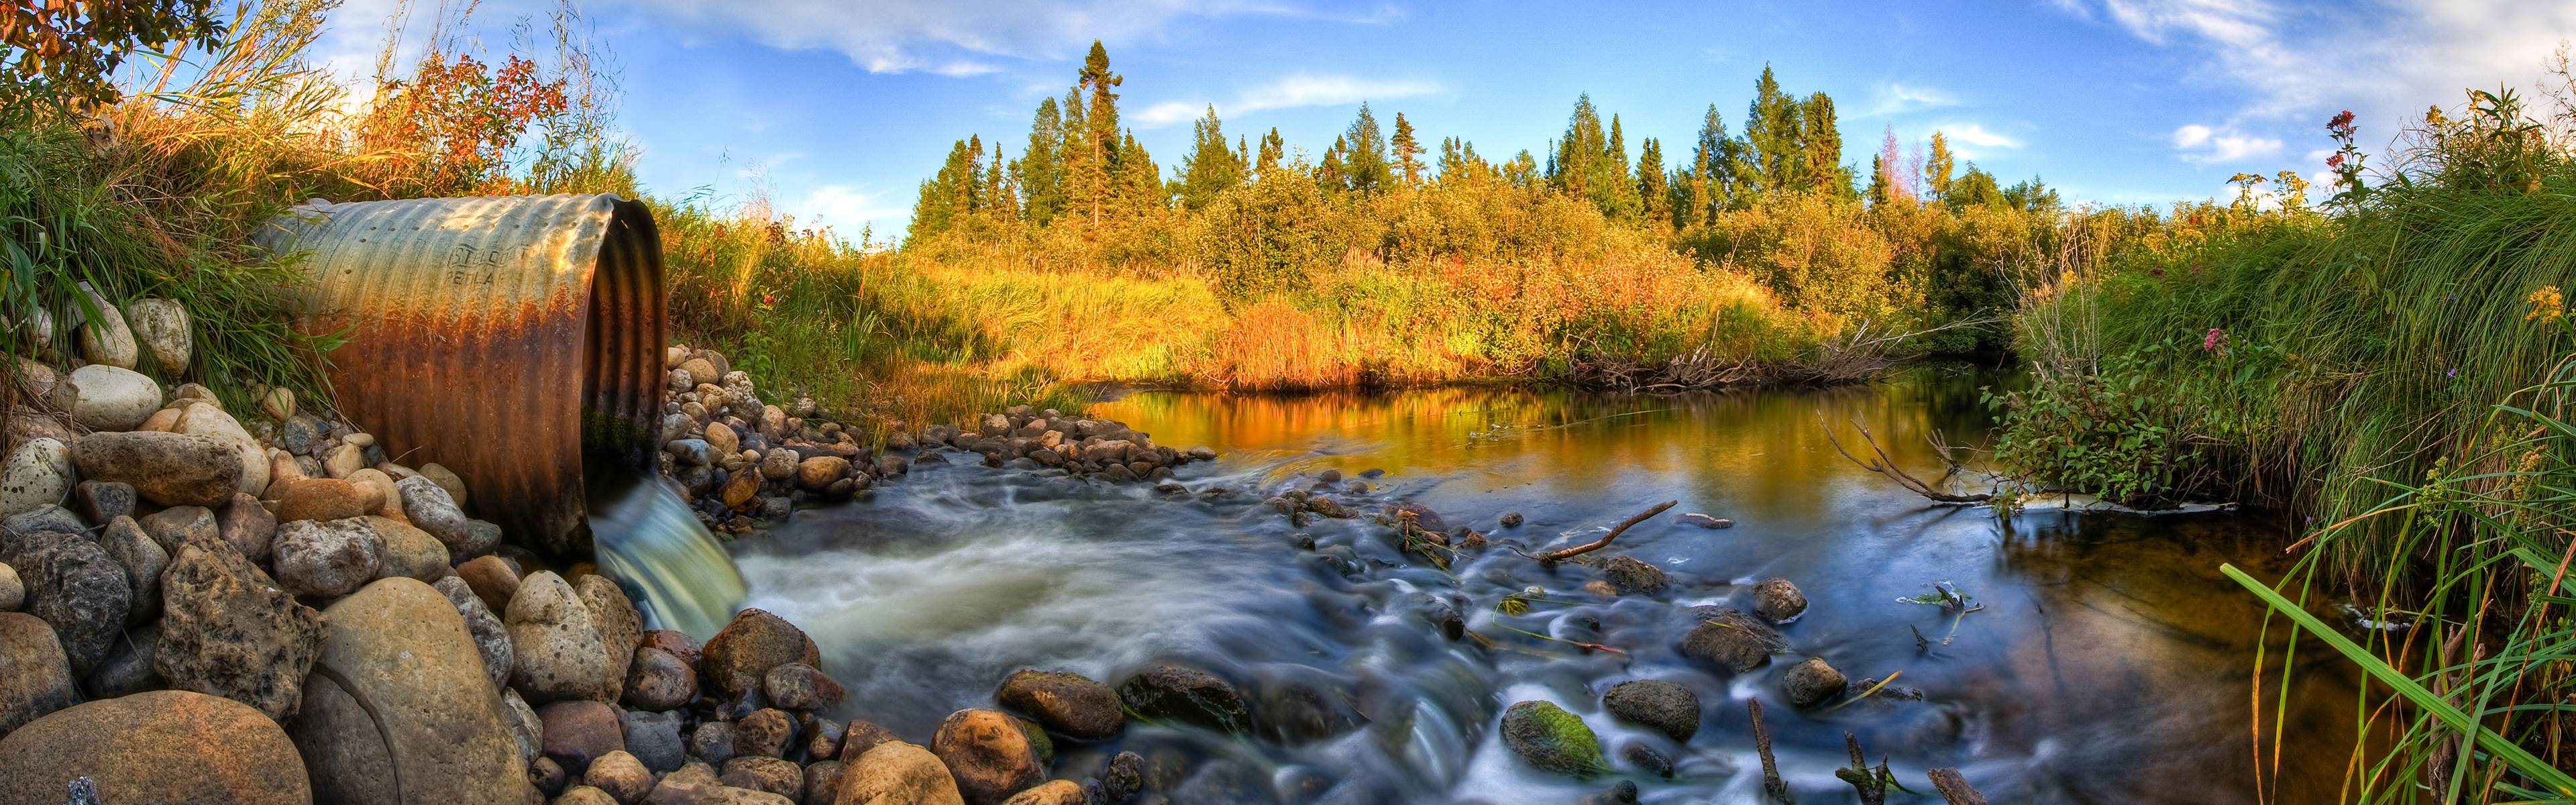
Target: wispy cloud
column 1977, row 134
column 1301, row 89
column 2202, row 145
column 844, row 205
column 1891, row 99
column 947, row 37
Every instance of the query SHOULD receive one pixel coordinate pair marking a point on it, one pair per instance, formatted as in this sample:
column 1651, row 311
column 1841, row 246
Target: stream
column 2109, row 661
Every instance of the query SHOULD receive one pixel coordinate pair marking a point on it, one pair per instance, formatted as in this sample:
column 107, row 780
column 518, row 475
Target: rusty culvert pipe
column 497, row 336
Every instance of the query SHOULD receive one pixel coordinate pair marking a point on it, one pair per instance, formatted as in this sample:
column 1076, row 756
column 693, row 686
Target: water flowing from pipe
column 654, row 547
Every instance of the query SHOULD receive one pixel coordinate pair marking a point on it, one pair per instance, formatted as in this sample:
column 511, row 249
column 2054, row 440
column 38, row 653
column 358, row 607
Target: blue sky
column 835, row 111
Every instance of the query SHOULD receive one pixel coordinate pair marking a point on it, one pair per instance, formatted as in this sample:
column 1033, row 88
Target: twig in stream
column 1873, row 791
column 1886, row 465
column 1550, row 558
column 1770, row 768
column 1863, row 695
column 1954, row 788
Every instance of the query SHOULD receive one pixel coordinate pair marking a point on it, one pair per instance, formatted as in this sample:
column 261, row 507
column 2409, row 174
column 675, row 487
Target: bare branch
column 1553, row 557
column 1886, row 465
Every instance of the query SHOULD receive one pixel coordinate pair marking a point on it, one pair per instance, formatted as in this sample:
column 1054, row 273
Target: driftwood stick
column 1886, row 465
column 1873, row 791
column 1955, row 788
column 1770, row 768
column 1553, row 557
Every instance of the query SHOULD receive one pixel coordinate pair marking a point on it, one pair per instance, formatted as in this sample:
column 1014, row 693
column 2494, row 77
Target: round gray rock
column 1665, row 706
column 327, row 558
column 400, row 710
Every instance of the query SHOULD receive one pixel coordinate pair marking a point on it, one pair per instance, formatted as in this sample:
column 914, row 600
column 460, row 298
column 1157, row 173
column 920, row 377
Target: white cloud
column 2383, row 60
column 1977, row 134
column 844, row 205
column 893, row 36
column 2202, row 145
column 1896, row 98
column 1301, row 89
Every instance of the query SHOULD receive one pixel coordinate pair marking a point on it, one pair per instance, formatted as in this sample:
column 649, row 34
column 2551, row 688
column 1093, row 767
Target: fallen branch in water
column 1552, row 557
column 1954, row 788
column 1762, row 743
column 1886, row 465
column 1872, row 783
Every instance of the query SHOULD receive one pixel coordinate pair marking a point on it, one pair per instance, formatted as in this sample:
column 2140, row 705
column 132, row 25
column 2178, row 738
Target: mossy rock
column 1552, row 739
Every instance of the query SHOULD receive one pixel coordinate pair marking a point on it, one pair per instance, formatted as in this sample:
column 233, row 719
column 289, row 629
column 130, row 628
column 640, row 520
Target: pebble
column 1645, row 757
column 1187, row 695
column 579, row 732
column 766, row 733
column 491, row 637
column 987, row 752
column 317, row 499
column 1731, row 640
column 327, row 558
column 556, row 644
column 1634, row 576
column 143, row 560
column 1511, row 520
column 797, row 686
column 823, row 782
column 13, row 593
column 247, row 526
column 768, row 774
column 101, row 501
column 738, row 658
column 654, row 738
column 1071, row 704
column 1812, row 682
column 35, row 676
column 712, row 742
column 35, row 476
column 619, row 775
column 179, row 526
column 107, row 398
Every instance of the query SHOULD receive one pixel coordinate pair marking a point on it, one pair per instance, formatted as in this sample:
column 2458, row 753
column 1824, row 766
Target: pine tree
column 966, row 194
column 1614, row 189
column 1333, row 176
column 1880, row 190
column 1654, row 189
column 1092, row 189
column 1936, row 170
column 1772, row 130
column 1522, row 171
column 1364, row 157
column 1571, row 168
column 1712, row 171
column 943, row 195
column 1074, row 159
column 1211, row 166
column 1041, row 167
column 1138, row 186
column 1272, row 148
column 1823, row 139
column 1408, row 152
column 1001, row 195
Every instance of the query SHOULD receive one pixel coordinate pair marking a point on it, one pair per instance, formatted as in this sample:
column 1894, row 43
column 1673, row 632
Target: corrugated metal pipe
column 500, row 337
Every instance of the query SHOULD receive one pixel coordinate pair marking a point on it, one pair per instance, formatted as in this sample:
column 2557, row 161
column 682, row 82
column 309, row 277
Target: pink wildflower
column 2215, row 340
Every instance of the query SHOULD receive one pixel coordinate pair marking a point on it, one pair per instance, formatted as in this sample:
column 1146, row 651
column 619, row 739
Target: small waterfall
column 653, row 546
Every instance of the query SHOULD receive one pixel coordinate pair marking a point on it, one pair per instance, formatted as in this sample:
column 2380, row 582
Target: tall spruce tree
column 1571, row 168
column 1654, row 189
column 1092, row 188
column 1364, row 155
column 944, row 196
column 1823, row 141
column 1212, row 166
column 1272, row 148
column 1333, row 175
column 1074, row 158
column 1408, row 152
column 1772, row 130
column 1040, row 168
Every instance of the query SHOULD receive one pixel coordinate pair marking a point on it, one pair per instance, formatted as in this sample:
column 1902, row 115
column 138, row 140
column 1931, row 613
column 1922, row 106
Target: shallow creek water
column 2110, row 663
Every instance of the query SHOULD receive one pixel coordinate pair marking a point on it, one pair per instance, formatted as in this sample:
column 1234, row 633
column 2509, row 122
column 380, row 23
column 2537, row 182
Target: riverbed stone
column 1187, row 695
column 227, row 629
column 491, row 637
column 1634, row 576
column 1552, row 739
column 819, row 472
column 1812, row 682
column 823, row 782
column 408, row 552
column 144, row 560
column 679, row 643
column 1777, row 600
column 738, row 658
column 250, row 527
column 107, row 398
column 654, row 738
column 712, row 741
column 1052, row 792
column 1665, row 706
column 76, row 588
column 898, row 773
column 619, row 775
column 179, row 526
column 701, row 372
column 344, row 459
column 163, row 747
column 13, row 591
column 209, row 420
column 765, row 733
column 37, row 474
column 860, row 735
column 491, row 579
column 556, row 644
column 1124, row 778
column 44, row 518
column 405, row 711
column 656, row 680
column 768, row 774
column 525, row 727
column 429, row 508
column 797, row 686
column 162, row 327
column 327, row 558
column 1729, row 639
column 98, row 501
column 128, row 668
column 35, row 675
column 778, row 464
column 621, row 628
column 171, row 469
column 375, row 488
column 578, row 731
column 1069, row 704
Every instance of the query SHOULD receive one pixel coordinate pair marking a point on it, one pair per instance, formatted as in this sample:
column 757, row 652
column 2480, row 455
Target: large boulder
column 621, row 628
column 491, row 636
column 143, row 560
column 208, row 420
column 76, row 588
column 988, row 753
column 897, row 773
column 35, row 677
column 327, row 558
column 164, row 747
column 229, row 630
column 163, row 328
column 738, row 658
column 107, row 398
column 171, row 469
column 1665, row 706
column 1187, row 695
column 556, row 643
column 1069, row 704
column 1552, row 739
column 399, row 709
column 37, row 474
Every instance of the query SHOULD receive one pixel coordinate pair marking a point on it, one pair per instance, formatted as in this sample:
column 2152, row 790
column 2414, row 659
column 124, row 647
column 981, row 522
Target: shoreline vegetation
column 2388, row 362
